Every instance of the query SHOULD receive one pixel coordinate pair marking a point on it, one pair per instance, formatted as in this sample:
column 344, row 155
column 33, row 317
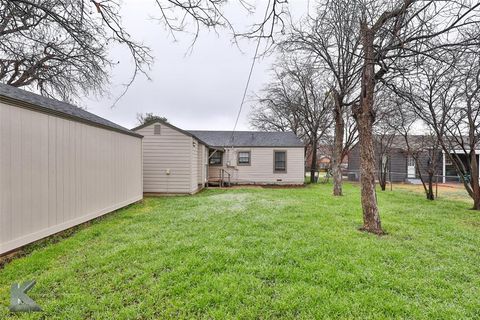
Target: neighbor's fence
column 452, row 188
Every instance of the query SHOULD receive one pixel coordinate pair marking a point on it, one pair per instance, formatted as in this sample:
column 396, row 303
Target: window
column 243, row 158
column 280, row 161
column 448, row 161
column 215, row 158
column 156, row 129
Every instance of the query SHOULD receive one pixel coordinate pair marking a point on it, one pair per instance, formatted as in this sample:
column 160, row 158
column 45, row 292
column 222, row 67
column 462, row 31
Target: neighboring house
column 324, row 158
column 60, row 166
column 179, row 161
column 402, row 166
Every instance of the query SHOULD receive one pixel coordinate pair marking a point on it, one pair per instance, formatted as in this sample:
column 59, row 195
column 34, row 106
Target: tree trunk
column 430, row 195
column 383, row 174
column 474, row 180
column 383, row 181
column 313, row 164
column 338, row 146
column 476, row 202
column 364, row 116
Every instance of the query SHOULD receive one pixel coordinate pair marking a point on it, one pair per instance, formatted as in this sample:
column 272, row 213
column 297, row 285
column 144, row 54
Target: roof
column 149, row 123
column 59, row 108
column 248, row 139
column 415, row 141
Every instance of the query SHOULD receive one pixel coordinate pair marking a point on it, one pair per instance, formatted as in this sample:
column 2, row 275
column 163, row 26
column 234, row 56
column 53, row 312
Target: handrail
column 222, row 177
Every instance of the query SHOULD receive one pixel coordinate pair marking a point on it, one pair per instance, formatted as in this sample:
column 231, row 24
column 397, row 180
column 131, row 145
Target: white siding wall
column 260, row 170
column 57, row 173
column 170, row 150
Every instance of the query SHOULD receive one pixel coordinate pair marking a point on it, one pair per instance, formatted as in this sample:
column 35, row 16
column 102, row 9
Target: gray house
column 180, row 161
column 401, row 166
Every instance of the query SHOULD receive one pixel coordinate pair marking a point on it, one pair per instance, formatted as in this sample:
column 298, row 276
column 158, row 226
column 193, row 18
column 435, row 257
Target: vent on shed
column 156, row 129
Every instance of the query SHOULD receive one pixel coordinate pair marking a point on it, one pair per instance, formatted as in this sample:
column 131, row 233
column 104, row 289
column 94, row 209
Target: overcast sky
column 197, row 90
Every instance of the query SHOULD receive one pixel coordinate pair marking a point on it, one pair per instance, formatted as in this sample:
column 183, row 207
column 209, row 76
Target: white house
column 60, row 166
column 179, row 161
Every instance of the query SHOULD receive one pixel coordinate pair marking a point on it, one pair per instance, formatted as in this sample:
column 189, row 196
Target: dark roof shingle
column 60, row 108
column 248, row 138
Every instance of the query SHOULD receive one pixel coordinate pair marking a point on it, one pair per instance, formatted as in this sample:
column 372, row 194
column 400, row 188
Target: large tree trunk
column 365, row 117
column 338, row 147
column 313, row 164
column 474, row 180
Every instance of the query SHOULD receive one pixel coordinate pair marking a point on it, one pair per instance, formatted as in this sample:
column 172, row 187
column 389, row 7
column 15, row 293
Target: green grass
column 261, row 253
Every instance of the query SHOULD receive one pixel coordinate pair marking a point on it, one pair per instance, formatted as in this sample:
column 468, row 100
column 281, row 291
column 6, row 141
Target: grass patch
column 261, row 253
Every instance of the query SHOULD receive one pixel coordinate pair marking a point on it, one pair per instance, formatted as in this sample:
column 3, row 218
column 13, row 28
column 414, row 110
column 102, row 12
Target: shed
column 60, row 166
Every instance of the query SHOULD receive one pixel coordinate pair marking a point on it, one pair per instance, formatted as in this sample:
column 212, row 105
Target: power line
column 249, row 76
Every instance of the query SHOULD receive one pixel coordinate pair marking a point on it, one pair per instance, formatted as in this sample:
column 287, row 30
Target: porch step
column 217, row 182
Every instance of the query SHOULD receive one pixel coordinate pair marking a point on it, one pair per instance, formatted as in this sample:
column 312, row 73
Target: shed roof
column 59, row 108
column 248, row 139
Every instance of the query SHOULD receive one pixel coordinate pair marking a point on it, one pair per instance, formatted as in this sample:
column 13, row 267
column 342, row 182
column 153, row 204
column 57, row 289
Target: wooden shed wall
column 56, row 173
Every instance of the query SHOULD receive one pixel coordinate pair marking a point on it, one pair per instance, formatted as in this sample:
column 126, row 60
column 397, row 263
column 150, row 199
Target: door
column 411, row 167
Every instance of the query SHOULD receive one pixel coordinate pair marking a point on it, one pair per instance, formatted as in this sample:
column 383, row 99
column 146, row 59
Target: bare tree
column 143, row 118
column 332, row 38
column 385, row 132
column 391, row 31
column 463, row 126
column 447, row 98
column 295, row 100
column 424, row 149
column 61, row 47
column 443, row 92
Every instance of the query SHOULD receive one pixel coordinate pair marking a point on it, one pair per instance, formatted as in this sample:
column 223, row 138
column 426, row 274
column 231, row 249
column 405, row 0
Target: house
column 180, row 161
column 60, row 166
column 324, row 158
column 401, row 165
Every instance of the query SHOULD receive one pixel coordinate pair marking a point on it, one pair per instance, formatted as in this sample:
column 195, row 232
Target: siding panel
column 171, row 151
column 260, row 170
column 56, row 173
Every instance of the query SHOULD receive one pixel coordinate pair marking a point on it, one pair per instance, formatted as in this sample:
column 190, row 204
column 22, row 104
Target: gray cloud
column 197, row 90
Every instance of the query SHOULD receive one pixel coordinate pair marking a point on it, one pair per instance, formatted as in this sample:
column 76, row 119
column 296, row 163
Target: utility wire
column 249, row 77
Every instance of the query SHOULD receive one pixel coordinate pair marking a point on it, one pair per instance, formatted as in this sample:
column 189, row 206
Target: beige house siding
column 260, row 170
column 171, row 151
column 56, row 173
column 194, row 165
column 202, row 160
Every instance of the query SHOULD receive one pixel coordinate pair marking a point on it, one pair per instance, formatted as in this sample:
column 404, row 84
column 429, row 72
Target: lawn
column 261, row 253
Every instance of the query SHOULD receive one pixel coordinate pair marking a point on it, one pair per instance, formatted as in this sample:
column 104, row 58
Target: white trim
column 463, row 152
column 444, row 172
